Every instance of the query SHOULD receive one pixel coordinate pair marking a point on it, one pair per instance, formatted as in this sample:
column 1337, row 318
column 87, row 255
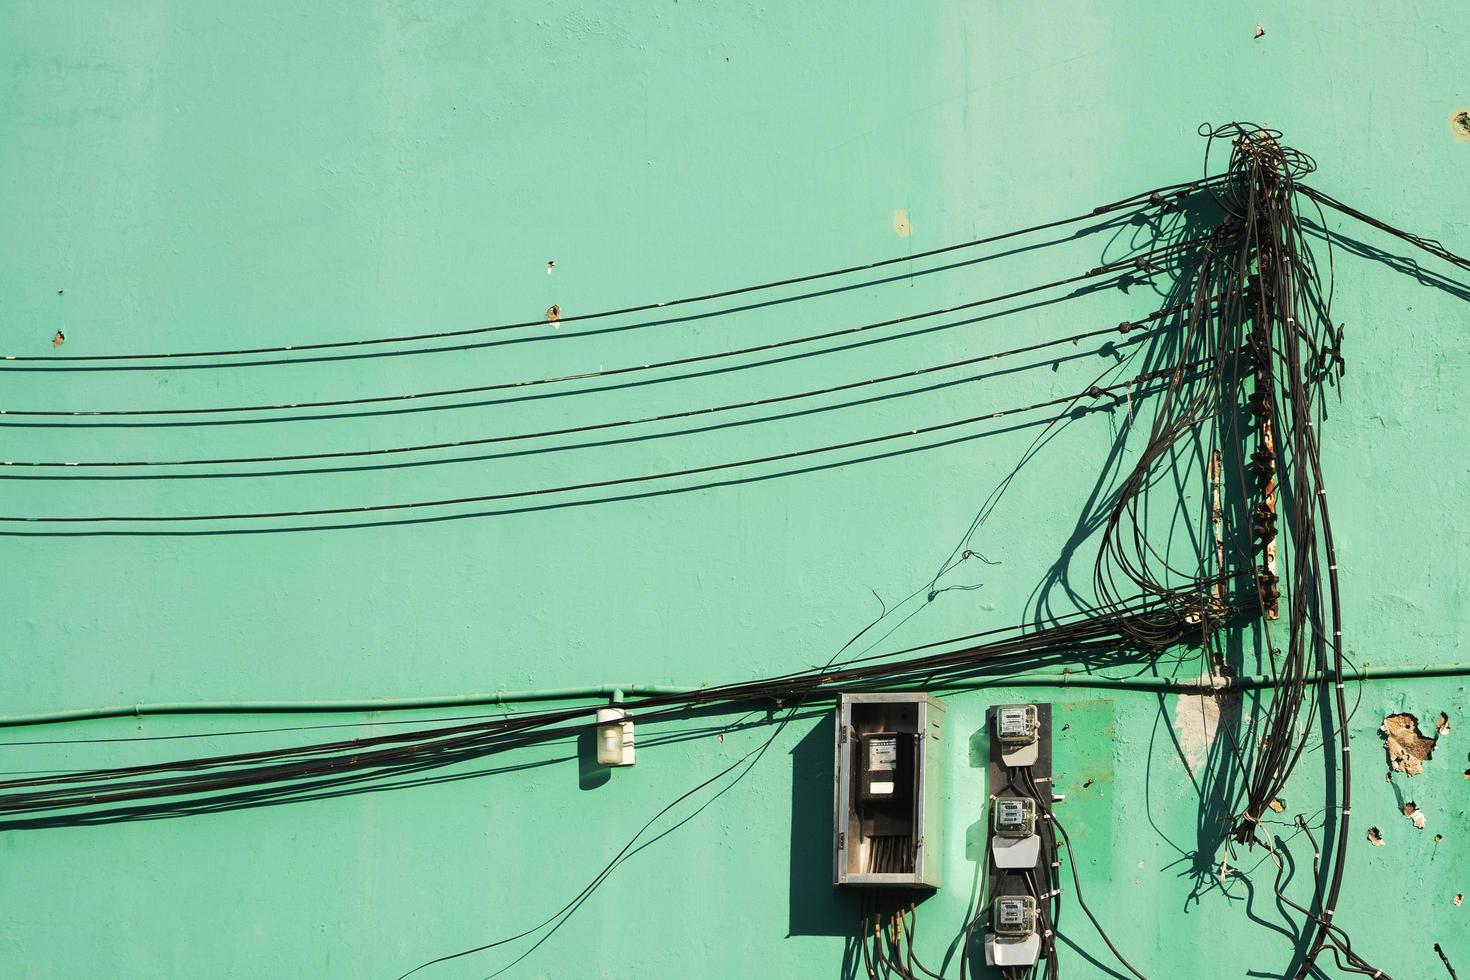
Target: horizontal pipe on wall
column 614, row 692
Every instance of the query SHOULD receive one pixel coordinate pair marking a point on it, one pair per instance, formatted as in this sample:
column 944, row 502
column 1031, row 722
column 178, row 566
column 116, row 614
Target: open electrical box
column 888, row 771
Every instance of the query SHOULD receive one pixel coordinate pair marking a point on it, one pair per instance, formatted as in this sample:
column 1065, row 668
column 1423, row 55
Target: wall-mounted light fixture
column 614, row 737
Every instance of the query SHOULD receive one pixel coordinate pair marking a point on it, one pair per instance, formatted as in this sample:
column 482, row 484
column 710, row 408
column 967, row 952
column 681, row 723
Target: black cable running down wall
column 1156, row 195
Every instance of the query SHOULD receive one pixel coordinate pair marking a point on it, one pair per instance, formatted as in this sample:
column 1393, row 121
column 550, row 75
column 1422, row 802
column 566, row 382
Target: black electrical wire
column 1093, row 392
column 1265, row 325
column 1052, row 821
column 1429, row 245
column 1132, row 331
column 1121, row 270
column 1444, row 958
column 1072, row 640
column 1156, row 196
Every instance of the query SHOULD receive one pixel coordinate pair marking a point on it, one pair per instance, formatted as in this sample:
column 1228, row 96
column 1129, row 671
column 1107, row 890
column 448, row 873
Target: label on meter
column 883, row 754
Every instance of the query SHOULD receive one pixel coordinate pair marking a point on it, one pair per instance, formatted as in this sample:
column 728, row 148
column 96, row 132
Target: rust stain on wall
column 1460, row 124
column 901, row 225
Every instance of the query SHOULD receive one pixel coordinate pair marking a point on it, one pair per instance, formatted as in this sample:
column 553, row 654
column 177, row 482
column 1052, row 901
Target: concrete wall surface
column 203, row 176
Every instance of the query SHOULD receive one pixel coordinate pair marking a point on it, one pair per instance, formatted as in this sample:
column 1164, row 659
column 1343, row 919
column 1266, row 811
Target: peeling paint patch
column 59, row 339
column 1415, row 815
column 1375, row 837
column 1443, row 725
column 1459, row 900
column 901, row 225
column 1407, row 747
column 553, row 315
column 1260, row 32
column 1460, row 124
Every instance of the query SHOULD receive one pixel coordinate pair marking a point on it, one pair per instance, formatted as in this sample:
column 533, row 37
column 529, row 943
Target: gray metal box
column 888, row 827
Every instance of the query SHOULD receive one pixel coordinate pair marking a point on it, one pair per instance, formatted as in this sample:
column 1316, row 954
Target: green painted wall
column 186, row 176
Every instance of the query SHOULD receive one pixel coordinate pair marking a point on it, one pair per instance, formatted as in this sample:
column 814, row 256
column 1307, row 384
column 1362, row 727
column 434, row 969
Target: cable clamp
column 1347, row 748
column 1347, row 811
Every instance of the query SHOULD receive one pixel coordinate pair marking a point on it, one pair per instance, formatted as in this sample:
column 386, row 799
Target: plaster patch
column 901, row 226
column 1198, row 719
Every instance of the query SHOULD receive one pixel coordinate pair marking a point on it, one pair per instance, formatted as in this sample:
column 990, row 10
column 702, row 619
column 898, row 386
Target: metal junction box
column 889, row 777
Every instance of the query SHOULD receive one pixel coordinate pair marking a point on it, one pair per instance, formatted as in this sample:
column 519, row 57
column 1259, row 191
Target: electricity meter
column 1012, row 940
column 1018, row 730
column 879, row 765
column 1014, row 843
column 1013, row 915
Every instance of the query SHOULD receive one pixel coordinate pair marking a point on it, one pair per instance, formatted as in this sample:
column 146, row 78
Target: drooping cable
column 1131, row 331
column 1156, row 195
column 1093, row 392
column 1114, row 272
column 1429, row 245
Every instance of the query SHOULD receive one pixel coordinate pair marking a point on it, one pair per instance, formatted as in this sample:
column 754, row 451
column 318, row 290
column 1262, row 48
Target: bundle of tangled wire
column 1261, row 317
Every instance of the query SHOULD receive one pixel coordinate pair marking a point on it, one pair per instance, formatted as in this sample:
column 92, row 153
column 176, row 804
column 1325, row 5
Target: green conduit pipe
column 613, row 692
column 617, row 692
